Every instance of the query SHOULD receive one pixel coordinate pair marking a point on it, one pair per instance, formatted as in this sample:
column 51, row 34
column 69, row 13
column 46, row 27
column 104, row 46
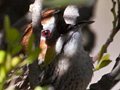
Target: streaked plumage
column 71, row 68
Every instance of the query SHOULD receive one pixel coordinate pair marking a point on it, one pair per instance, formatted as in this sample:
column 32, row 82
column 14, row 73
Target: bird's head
column 70, row 41
column 56, row 33
column 49, row 34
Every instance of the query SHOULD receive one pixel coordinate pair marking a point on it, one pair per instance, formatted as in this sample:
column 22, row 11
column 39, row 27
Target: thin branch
column 116, row 69
column 114, row 14
column 114, row 30
column 34, row 69
column 115, row 72
column 107, row 81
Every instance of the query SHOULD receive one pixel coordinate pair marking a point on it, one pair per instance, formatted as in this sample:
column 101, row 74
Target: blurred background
column 98, row 31
column 102, row 27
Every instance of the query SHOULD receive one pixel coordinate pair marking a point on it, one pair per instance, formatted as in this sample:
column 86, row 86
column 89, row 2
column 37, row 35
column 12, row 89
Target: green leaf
column 45, row 87
column 38, row 88
column 32, row 57
column 30, row 44
column 11, row 33
column 15, row 61
column 6, row 23
column 65, row 2
column 2, row 73
column 101, row 53
column 34, row 54
column 104, row 63
column 16, row 49
column 106, row 57
column 42, row 88
column 7, row 62
column 13, row 36
column 19, row 72
column 2, row 56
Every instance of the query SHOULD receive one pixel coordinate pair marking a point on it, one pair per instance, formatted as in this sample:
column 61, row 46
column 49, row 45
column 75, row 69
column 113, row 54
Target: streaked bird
column 71, row 67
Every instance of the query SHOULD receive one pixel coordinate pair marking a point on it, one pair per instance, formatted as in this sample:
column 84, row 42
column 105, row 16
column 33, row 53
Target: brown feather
column 25, row 39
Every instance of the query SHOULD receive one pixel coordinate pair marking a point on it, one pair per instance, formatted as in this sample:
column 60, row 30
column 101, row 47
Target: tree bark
column 34, row 69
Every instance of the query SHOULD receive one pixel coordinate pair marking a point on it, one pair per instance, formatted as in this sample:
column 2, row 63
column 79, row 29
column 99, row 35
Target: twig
column 34, row 69
column 114, row 30
column 116, row 69
column 107, row 80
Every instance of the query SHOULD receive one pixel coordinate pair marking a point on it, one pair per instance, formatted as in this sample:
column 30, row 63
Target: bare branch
column 107, row 81
column 113, row 32
column 34, row 69
column 116, row 69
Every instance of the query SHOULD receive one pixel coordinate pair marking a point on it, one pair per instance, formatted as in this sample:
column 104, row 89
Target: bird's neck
column 70, row 44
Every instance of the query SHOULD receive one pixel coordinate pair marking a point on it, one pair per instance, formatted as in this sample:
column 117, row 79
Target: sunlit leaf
column 16, row 49
column 2, row 56
column 106, row 57
column 38, row 88
column 15, row 61
column 6, row 23
column 104, row 63
column 42, row 88
column 101, row 53
column 96, row 68
column 2, row 73
column 65, row 2
column 7, row 62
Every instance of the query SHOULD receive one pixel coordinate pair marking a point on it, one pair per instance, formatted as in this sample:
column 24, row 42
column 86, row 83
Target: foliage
column 65, row 2
column 42, row 88
column 11, row 59
column 104, row 60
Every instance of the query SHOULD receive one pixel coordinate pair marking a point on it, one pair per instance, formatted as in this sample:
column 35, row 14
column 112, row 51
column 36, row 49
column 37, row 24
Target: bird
column 70, row 67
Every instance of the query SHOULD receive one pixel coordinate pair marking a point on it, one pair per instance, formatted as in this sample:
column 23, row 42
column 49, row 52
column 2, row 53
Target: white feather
column 50, row 24
column 71, row 13
column 72, row 41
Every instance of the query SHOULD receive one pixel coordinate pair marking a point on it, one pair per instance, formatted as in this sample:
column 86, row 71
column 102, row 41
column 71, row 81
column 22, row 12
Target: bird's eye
column 46, row 33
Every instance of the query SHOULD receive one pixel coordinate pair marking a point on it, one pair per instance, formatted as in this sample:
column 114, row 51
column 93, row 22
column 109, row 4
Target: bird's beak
column 84, row 23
